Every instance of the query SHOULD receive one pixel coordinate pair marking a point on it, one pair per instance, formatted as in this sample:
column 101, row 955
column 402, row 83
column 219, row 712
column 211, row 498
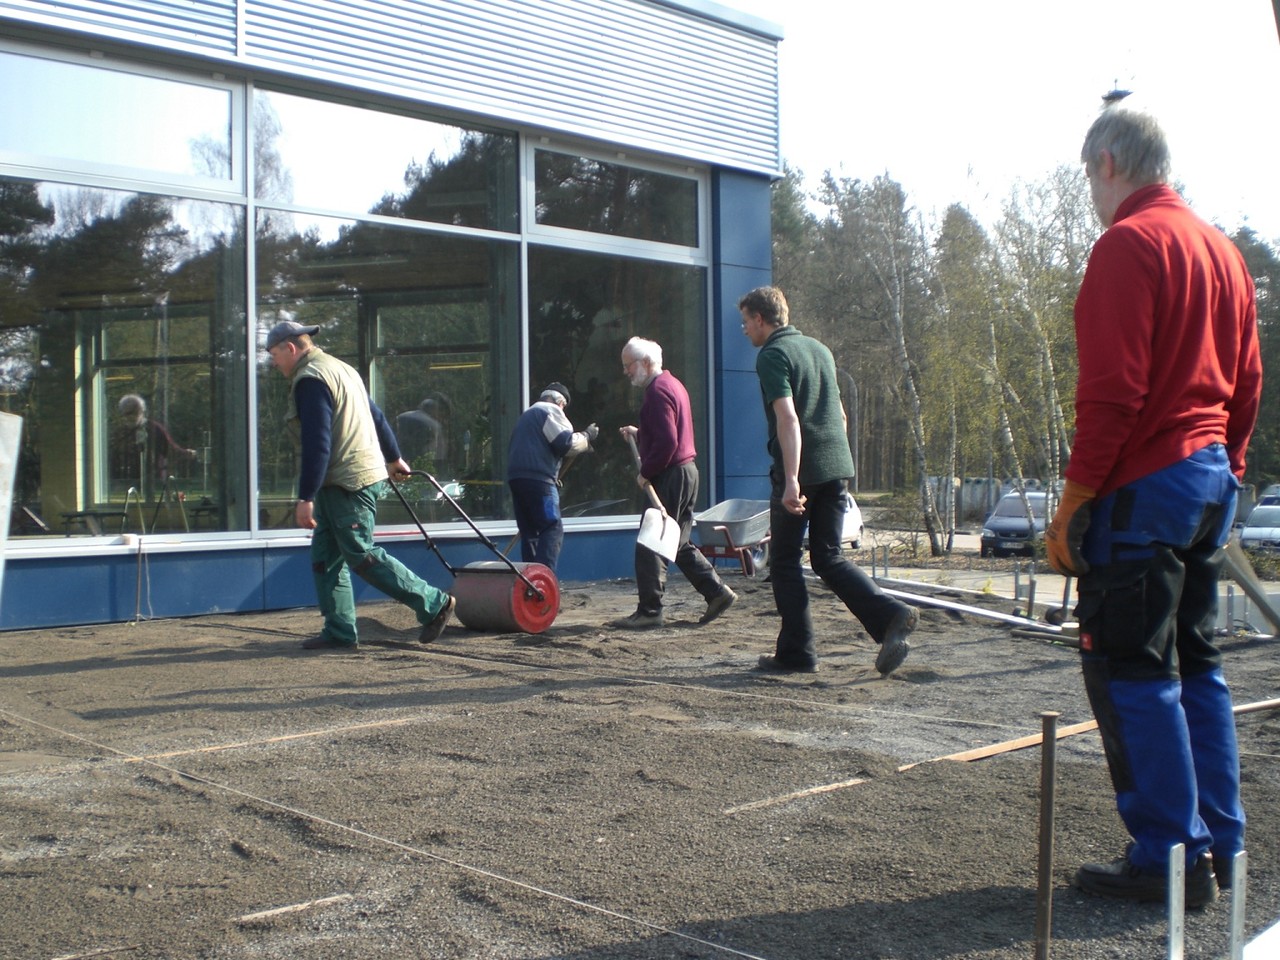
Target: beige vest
column 355, row 457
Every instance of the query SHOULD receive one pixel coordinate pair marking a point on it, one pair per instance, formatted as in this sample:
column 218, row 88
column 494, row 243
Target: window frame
column 44, row 167
column 698, row 255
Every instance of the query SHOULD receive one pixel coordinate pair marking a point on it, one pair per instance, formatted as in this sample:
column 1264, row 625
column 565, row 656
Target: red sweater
column 666, row 426
column 1167, row 332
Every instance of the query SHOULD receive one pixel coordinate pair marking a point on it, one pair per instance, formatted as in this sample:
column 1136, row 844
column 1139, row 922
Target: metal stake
column 1239, row 878
column 1044, row 873
column 1177, row 899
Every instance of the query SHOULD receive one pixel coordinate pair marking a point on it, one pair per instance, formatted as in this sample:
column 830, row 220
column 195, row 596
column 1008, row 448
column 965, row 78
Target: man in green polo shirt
column 811, row 465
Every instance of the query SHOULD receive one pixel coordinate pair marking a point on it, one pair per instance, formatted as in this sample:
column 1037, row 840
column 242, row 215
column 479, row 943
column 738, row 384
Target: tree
column 1264, row 266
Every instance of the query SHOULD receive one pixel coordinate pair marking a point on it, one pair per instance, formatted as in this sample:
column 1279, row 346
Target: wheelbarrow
column 499, row 595
column 734, row 529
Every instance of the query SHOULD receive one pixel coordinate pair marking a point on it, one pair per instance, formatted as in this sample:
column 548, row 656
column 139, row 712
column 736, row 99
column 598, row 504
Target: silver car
column 1261, row 531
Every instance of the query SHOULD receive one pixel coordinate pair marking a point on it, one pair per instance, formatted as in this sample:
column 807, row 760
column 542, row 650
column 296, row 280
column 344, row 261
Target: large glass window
column 122, row 347
column 125, row 332
column 614, row 199
column 78, row 116
column 432, row 324
column 583, row 308
column 351, row 160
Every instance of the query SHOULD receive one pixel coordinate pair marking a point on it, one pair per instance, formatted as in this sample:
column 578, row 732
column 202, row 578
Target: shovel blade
column 659, row 533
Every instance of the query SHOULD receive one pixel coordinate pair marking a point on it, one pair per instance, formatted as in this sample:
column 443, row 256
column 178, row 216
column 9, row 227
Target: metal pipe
column 1177, row 900
column 1239, row 872
column 1044, row 873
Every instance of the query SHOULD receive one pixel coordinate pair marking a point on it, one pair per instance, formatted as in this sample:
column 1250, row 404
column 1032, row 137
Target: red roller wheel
column 490, row 596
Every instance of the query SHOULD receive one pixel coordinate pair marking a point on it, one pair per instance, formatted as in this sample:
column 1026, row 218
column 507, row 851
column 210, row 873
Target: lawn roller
column 497, row 594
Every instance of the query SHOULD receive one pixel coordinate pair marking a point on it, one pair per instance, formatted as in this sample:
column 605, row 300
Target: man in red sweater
column 664, row 440
column 1166, row 329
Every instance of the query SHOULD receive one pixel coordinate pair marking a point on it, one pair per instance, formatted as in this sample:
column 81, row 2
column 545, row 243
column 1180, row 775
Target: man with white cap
column 543, row 437
column 348, row 452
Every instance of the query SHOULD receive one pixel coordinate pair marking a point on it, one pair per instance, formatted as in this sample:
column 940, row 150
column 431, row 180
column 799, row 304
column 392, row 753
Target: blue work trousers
column 1152, row 670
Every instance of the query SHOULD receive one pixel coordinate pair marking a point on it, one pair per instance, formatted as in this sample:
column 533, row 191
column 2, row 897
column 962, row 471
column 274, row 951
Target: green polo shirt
column 802, row 368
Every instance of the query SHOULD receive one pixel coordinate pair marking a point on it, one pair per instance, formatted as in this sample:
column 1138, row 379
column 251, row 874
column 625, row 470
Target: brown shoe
column 771, row 664
column 718, row 604
column 639, row 621
column 431, row 631
column 894, row 647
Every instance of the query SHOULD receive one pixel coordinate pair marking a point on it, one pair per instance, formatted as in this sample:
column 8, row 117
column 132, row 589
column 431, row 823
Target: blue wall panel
column 744, row 253
column 116, row 587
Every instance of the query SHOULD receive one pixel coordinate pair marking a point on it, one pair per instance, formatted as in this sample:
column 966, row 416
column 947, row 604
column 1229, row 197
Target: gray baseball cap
column 286, row 329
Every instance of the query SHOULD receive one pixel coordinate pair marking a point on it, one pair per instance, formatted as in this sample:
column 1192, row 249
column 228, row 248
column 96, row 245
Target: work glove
column 1065, row 536
column 592, row 432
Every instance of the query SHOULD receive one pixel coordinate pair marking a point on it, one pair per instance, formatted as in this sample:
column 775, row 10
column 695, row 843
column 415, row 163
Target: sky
column 958, row 101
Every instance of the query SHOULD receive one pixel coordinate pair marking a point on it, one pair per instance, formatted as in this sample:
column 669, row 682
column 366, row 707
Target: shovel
column 658, row 531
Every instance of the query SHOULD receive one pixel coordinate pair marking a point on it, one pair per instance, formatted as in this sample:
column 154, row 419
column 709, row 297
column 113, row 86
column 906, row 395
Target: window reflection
column 583, row 308
column 429, row 321
column 93, row 116
column 610, row 198
column 383, row 163
column 105, row 295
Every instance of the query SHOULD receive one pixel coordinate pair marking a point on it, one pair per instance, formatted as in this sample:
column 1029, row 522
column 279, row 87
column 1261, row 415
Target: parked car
column 852, row 531
column 1261, row 531
column 1008, row 530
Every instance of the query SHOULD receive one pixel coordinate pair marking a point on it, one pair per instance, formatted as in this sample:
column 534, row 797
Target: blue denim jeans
column 537, row 509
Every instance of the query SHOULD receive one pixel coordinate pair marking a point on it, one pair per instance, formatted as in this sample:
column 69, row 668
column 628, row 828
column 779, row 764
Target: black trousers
column 677, row 488
column 824, row 516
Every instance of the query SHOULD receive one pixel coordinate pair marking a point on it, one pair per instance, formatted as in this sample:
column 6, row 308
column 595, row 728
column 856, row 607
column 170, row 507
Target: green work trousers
column 343, row 542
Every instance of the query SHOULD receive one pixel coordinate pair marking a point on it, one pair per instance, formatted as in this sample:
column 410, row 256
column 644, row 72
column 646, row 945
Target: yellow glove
column 1065, row 535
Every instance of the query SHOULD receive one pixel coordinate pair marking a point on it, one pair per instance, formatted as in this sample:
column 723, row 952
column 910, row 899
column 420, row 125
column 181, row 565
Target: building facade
column 470, row 198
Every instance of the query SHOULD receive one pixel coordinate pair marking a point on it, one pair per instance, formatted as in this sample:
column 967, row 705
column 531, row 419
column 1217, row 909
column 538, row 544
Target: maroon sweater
column 666, row 426
column 1167, row 332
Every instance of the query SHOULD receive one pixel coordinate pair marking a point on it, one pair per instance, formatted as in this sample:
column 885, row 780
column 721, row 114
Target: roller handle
column 480, row 533
column 426, row 536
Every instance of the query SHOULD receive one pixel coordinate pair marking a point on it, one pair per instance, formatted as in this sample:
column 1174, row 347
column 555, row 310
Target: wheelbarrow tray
column 732, row 523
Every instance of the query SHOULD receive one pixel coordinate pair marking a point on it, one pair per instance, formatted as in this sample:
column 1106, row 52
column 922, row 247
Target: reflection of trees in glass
column 147, row 288
column 417, row 312
column 271, row 178
column 21, row 214
column 585, row 194
column 469, row 188
column 121, row 257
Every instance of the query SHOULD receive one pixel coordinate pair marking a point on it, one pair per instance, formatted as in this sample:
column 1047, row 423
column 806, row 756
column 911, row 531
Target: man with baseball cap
column 541, row 441
column 348, row 451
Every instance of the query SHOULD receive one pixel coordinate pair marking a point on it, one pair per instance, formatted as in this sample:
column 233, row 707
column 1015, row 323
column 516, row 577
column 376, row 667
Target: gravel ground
column 204, row 789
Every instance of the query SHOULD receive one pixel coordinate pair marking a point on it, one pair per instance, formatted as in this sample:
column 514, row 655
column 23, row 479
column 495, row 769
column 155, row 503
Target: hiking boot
column 322, row 642
column 771, row 664
column 718, row 605
column 1224, row 868
column 1121, row 880
column 639, row 621
column 894, row 647
column 432, row 630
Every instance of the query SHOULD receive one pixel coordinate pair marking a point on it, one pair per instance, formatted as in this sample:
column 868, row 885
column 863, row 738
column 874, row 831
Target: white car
column 1261, row 531
column 852, row 532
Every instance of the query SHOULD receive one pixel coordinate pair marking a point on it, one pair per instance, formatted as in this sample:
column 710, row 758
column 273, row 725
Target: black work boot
column 1121, row 880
